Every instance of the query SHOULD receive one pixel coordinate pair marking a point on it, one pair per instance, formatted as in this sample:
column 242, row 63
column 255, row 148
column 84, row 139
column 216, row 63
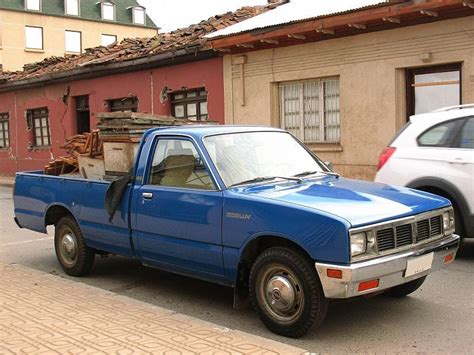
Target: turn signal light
column 367, row 285
column 334, row 273
column 449, row 258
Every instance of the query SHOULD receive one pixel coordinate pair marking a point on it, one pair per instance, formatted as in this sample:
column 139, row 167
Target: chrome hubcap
column 280, row 293
column 69, row 248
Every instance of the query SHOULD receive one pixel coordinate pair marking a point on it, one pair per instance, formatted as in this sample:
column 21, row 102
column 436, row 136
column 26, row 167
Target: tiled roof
column 89, row 10
column 135, row 48
column 298, row 10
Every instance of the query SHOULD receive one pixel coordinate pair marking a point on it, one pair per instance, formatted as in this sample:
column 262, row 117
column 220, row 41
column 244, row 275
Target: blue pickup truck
column 251, row 208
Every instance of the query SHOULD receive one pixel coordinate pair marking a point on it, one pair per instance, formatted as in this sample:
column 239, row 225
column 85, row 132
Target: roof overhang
column 180, row 56
column 397, row 13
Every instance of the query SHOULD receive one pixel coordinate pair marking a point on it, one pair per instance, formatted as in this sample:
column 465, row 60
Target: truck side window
column 176, row 163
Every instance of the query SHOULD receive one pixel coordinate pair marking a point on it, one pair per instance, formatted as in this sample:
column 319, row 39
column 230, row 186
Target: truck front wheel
column 286, row 292
column 74, row 256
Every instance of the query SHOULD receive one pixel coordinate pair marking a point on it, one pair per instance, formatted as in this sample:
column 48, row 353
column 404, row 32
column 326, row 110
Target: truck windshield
column 256, row 156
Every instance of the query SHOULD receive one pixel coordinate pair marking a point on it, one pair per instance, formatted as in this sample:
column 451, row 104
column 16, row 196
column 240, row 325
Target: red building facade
column 151, row 91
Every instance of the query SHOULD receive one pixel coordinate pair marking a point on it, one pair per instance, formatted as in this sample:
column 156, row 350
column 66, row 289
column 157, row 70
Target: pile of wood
column 128, row 127
column 87, row 144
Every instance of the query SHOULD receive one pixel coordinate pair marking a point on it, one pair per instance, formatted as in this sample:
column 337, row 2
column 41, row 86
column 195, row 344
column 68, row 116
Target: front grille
column 385, row 239
column 404, row 234
column 435, row 223
column 423, row 230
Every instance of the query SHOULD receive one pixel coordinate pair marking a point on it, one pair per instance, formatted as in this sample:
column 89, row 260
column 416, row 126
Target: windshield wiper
column 267, row 178
column 307, row 173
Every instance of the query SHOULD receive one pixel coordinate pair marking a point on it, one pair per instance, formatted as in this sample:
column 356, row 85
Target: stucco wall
column 372, row 83
column 146, row 85
column 13, row 54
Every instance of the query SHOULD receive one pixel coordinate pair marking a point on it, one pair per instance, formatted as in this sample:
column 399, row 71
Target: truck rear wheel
column 286, row 292
column 405, row 289
column 74, row 256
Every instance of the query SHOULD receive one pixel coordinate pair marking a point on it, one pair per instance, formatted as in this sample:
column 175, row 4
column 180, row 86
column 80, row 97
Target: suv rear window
column 441, row 135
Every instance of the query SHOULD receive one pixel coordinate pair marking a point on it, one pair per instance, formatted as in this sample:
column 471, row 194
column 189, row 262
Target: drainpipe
column 240, row 61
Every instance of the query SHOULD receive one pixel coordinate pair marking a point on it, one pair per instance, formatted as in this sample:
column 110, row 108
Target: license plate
column 418, row 265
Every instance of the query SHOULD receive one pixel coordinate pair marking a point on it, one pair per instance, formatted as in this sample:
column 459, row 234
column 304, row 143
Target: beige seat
column 177, row 168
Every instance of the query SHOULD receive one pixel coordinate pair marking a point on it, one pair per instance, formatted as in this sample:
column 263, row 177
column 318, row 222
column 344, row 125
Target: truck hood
column 358, row 202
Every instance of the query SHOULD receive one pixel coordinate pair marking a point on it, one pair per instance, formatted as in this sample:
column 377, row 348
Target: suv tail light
column 384, row 156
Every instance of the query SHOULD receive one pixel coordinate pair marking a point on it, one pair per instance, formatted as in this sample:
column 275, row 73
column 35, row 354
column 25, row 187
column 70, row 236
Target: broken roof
column 297, row 10
column 191, row 37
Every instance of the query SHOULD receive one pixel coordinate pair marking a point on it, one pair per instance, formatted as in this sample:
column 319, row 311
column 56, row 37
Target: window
column 33, row 5
column 71, row 7
column 176, row 163
column 108, row 11
column 4, row 131
column 33, row 37
column 190, row 104
column 125, row 104
column 467, row 135
column 138, row 15
column 73, row 41
column 441, row 135
column 38, row 121
column 108, row 40
column 83, row 121
column 310, row 110
column 431, row 88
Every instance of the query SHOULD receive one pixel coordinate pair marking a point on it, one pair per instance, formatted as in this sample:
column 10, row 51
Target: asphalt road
column 437, row 318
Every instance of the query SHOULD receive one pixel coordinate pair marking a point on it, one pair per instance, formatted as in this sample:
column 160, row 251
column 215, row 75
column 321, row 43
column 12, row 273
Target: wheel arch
column 448, row 190
column 250, row 251
column 55, row 212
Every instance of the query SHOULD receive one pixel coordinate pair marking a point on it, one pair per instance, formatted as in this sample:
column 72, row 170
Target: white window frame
column 30, row 8
column 105, row 4
column 107, row 35
column 322, row 111
column 134, row 17
column 68, row 48
column 66, row 7
column 26, row 38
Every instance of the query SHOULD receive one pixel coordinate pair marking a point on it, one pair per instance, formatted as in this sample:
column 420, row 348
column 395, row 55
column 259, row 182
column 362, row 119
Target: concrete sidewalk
column 42, row 313
column 7, row 180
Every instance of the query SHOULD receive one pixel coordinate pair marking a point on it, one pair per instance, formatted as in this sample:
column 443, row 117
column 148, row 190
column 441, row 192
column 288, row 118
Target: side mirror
column 329, row 164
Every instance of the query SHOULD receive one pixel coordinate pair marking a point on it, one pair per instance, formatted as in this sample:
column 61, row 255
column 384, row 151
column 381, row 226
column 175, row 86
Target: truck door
column 177, row 224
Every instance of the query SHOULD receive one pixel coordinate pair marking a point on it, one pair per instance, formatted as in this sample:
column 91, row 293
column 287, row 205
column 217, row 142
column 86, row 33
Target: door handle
column 147, row 195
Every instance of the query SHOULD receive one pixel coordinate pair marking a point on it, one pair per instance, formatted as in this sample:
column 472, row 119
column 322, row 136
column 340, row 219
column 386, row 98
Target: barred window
column 4, row 131
column 190, row 104
column 310, row 110
column 39, row 122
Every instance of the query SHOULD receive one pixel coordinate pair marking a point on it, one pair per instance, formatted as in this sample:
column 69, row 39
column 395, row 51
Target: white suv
column 434, row 152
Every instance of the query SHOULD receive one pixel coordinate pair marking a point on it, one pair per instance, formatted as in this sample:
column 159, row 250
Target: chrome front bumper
column 389, row 270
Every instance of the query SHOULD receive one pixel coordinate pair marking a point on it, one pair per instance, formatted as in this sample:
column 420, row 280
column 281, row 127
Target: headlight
column 448, row 221
column 358, row 243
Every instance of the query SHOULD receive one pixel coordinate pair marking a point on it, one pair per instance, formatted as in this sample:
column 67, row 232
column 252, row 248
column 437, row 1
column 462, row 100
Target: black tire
column 277, row 274
column 405, row 289
column 74, row 256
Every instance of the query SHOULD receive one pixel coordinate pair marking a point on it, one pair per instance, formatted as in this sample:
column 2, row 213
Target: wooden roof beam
column 469, row 4
column 359, row 26
column 270, row 41
column 303, row 37
column 429, row 13
column 325, row 31
column 397, row 10
column 245, row 45
column 392, row 19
